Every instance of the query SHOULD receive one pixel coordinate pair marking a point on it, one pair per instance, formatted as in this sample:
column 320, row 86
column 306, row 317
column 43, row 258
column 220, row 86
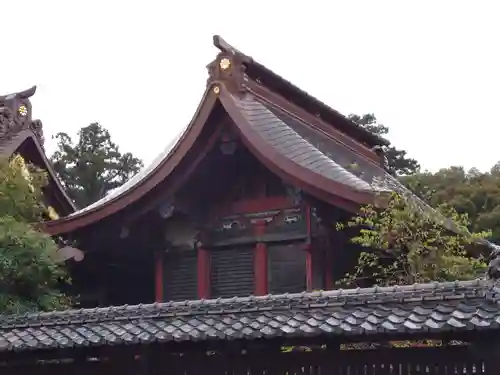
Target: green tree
column 472, row 192
column 399, row 163
column 407, row 246
column 30, row 275
column 93, row 166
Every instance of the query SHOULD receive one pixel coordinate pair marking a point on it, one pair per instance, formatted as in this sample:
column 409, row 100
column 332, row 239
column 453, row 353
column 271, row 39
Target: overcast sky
column 429, row 70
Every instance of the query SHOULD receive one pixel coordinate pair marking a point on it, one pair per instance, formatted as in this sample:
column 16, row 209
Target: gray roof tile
column 404, row 309
column 278, row 132
column 322, row 154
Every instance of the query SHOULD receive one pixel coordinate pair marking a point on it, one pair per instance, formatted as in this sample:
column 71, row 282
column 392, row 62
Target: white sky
column 430, row 70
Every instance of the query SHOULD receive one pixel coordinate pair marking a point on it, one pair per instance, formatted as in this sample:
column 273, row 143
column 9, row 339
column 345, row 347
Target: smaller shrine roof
column 18, row 130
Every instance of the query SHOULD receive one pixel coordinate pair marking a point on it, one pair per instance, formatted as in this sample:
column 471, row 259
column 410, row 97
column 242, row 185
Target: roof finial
column 15, row 114
column 21, row 95
column 223, row 45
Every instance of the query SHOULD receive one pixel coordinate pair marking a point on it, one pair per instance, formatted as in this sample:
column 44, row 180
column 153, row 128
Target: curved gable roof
column 19, row 131
column 322, row 176
column 273, row 141
column 323, row 164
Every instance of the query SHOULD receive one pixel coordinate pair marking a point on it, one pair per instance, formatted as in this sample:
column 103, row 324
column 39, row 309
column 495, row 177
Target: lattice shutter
column 287, row 268
column 232, row 272
column 181, row 276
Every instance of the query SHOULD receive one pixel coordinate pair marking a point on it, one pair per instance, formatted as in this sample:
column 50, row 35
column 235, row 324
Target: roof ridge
column 28, row 93
column 224, row 46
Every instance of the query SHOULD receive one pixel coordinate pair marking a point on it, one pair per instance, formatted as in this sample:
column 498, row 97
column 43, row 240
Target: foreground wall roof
column 18, row 130
column 357, row 314
column 361, row 314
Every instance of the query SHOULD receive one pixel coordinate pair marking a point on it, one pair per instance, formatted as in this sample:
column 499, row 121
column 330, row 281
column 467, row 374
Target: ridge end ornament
column 15, row 112
column 16, row 115
column 228, row 69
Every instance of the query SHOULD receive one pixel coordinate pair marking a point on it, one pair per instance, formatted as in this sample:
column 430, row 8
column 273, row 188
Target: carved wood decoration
column 227, row 68
column 15, row 115
column 181, row 233
column 281, row 225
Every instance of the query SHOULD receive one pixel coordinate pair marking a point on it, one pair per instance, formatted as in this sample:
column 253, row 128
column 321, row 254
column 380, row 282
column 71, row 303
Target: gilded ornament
column 225, row 63
column 23, row 111
column 216, row 89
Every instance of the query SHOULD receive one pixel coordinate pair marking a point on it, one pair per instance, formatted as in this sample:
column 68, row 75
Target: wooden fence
column 393, row 361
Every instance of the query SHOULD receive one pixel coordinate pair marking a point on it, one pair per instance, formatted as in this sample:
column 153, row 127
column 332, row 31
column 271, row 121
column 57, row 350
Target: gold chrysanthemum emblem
column 23, row 111
column 225, row 63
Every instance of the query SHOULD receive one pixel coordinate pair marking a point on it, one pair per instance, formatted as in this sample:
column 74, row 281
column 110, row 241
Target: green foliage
column 93, row 166
column 474, row 193
column 407, row 246
column 398, row 162
column 29, row 273
column 20, row 190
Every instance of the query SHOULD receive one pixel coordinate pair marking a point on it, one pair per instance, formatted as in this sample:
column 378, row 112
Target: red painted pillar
column 308, row 249
column 329, row 283
column 159, row 277
column 260, row 263
column 203, row 273
column 309, row 268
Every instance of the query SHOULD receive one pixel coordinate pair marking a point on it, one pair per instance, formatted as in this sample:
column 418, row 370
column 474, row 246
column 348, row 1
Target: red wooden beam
column 260, row 263
column 308, row 249
column 254, row 205
column 203, row 273
column 159, row 279
column 309, row 268
column 329, row 283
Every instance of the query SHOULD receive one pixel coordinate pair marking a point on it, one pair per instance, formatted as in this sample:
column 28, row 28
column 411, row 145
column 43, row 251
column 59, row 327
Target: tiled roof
column 326, row 156
column 280, row 134
column 420, row 308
